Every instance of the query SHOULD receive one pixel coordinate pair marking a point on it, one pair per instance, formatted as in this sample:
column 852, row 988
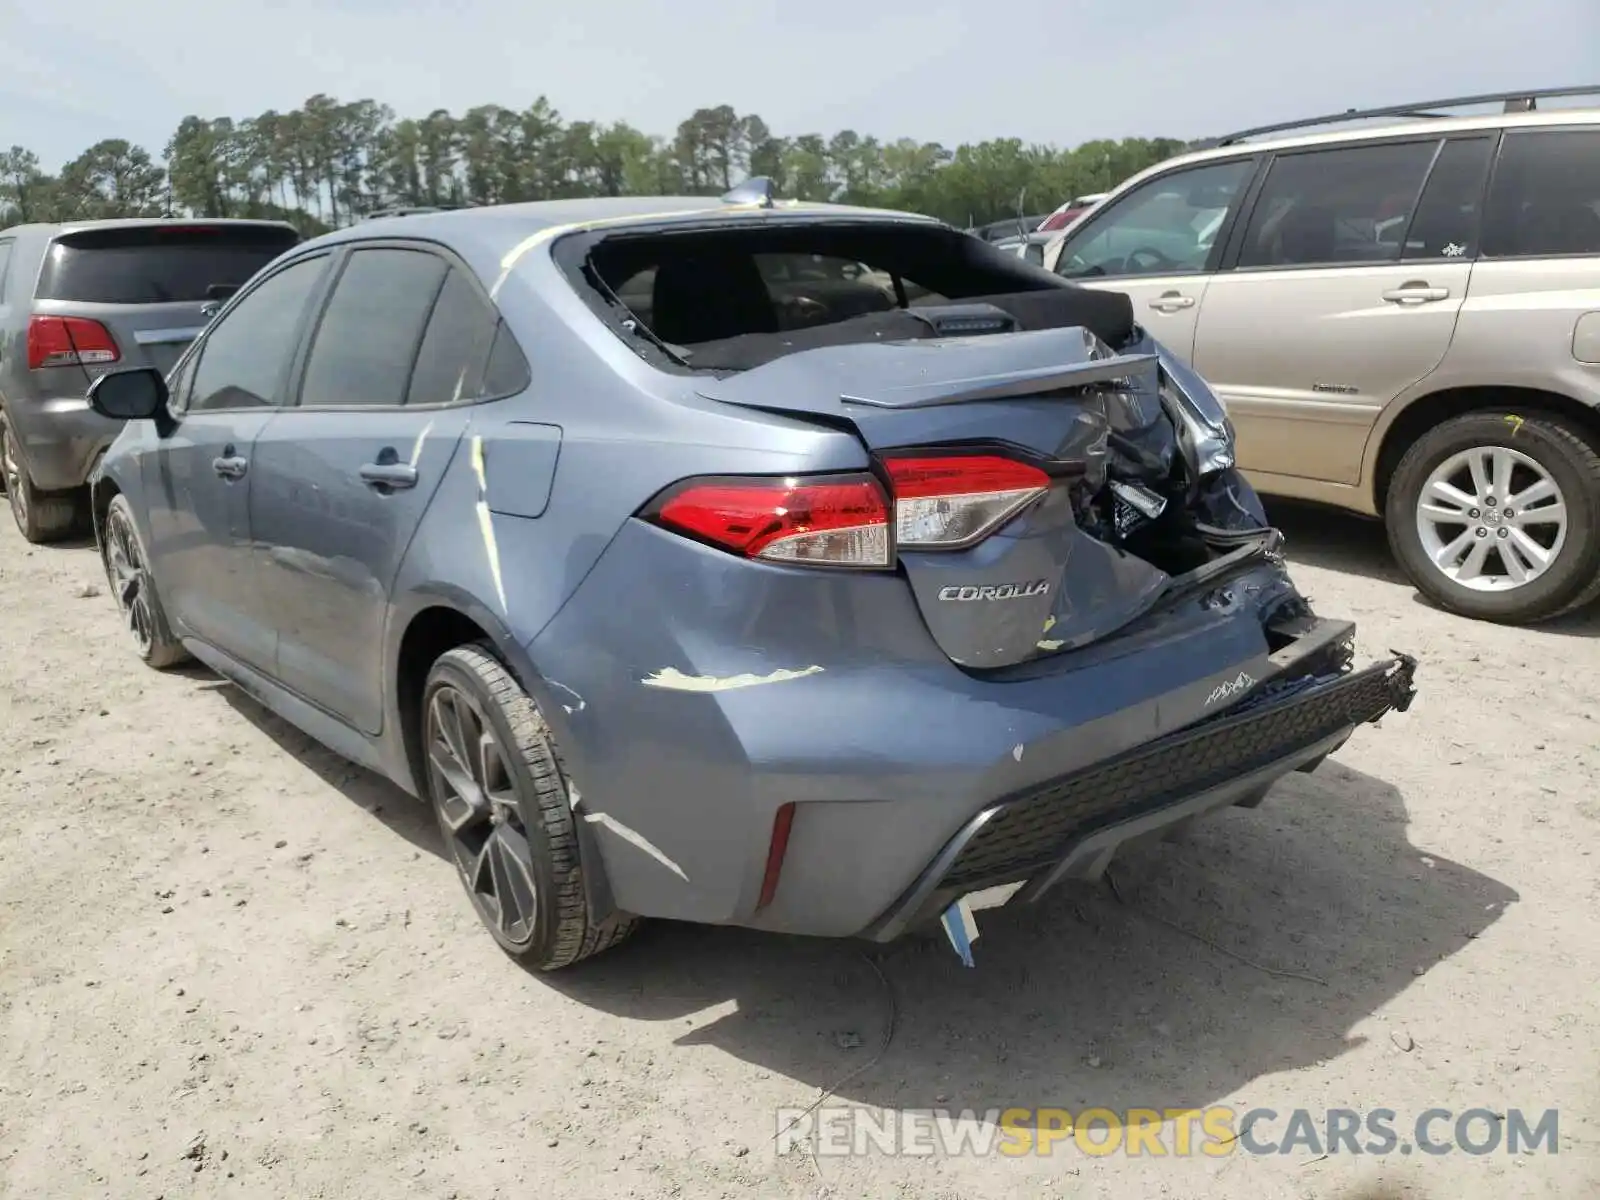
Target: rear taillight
column 69, row 342
column 939, row 502
column 836, row 521
column 952, row 501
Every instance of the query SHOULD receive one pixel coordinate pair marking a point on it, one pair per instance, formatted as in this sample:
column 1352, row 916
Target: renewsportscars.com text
column 1215, row 1132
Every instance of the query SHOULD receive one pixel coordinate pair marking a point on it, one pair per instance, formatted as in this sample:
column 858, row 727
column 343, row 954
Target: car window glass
column 178, row 385
column 158, row 264
column 370, row 332
column 1165, row 227
column 453, row 347
column 246, row 354
column 1448, row 215
column 1326, row 207
column 507, row 372
column 5, row 260
column 1545, row 199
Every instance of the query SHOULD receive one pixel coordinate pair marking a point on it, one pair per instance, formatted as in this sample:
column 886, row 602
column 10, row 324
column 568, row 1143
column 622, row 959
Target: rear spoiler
column 927, row 373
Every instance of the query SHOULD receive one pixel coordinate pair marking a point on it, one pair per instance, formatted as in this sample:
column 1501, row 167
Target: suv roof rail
column 1522, row 101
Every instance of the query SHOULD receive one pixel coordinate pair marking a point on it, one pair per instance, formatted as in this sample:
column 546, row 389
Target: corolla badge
column 1230, row 687
column 1003, row 591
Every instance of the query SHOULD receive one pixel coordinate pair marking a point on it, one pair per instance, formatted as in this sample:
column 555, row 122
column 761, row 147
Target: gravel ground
column 233, row 965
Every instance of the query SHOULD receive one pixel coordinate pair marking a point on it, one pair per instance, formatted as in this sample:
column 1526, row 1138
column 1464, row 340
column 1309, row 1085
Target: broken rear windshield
column 158, row 264
column 730, row 299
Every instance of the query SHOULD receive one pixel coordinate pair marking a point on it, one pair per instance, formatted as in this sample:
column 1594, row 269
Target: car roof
column 508, row 225
column 1430, row 126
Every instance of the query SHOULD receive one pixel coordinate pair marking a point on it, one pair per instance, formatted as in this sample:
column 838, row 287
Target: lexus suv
column 1402, row 319
column 80, row 298
column 810, row 568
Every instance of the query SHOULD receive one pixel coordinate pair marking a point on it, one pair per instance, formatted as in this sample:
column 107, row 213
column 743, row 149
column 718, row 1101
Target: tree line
column 329, row 163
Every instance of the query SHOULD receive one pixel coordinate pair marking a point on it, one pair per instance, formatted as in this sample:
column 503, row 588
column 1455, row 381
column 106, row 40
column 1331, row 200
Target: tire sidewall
column 120, row 509
column 452, row 671
column 8, row 446
column 1575, row 564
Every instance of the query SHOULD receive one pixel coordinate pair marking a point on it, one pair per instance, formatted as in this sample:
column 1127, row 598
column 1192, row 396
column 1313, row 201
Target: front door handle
column 390, row 475
column 1416, row 292
column 230, row 465
column 1169, row 302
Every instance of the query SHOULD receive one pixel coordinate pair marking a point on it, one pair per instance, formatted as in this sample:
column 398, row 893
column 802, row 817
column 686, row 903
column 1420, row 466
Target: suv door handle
column 391, row 475
column 1415, row 292
column 230, row 465
column 1169, row 302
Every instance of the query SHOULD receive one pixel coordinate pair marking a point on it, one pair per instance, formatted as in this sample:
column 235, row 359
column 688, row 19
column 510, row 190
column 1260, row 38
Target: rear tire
column 41, row 517
column 499, row 790
column 133, row 589
column 1442, row 507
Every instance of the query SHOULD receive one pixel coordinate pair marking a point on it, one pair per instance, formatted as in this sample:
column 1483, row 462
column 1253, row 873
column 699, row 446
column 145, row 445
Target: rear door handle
column 391, row 475
column 1169, row 302
column 1415, row 292
column 230, row 465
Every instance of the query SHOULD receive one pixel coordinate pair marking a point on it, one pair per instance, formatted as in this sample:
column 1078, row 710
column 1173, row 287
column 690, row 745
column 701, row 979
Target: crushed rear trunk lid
column 1142, row 497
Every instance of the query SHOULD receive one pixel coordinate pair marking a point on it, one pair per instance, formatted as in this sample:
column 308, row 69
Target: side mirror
column 138, row 394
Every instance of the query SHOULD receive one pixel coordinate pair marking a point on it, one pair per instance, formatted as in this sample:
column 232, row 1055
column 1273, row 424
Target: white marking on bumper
column 635, row 838
column 675, row 680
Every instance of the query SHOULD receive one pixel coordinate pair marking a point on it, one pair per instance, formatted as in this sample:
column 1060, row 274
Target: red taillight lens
column 840, row 521
column 951, row 501
column 69, row 342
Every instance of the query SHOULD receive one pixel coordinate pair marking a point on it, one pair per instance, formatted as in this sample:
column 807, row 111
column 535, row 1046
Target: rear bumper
column 61, row 439
column 1072, row 828
column 690, row 717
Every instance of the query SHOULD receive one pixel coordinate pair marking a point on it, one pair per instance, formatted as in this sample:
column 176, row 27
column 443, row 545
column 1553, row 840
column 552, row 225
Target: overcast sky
column 1057, row 71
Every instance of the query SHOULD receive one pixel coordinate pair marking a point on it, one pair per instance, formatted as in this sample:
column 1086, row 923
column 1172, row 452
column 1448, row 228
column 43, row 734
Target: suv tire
column 507, row 815
column 41, row 517
column 1544, row 449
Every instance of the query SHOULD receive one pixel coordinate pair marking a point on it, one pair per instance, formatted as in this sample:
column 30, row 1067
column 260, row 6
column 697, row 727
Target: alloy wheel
column 1491, row 519
column 11, row 466
column 130, row 581
column 475, row 795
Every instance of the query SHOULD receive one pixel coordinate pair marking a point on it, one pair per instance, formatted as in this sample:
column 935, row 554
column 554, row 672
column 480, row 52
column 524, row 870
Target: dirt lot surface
column 232, row 965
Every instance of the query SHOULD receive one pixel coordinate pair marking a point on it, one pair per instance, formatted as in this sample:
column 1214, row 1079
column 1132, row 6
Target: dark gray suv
column 78, row 298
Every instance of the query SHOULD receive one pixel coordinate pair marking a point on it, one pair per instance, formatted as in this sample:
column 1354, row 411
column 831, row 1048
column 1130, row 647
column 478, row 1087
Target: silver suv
column 78, row 298
column 1403, row 320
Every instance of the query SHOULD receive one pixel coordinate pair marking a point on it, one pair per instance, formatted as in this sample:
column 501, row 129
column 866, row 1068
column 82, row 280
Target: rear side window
column 158, row 264
column 1545, row 199
column 457, row 338
column 1329, row 207
column 370, row 334
column 1451, row 210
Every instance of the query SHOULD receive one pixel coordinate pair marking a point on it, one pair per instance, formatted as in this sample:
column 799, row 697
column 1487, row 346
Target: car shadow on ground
column 1333, row 540
column 371, row 792
column 1255, row 944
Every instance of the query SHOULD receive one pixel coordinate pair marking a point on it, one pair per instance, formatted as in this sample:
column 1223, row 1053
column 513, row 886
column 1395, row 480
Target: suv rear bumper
column 1071, row 828
column 61, row 437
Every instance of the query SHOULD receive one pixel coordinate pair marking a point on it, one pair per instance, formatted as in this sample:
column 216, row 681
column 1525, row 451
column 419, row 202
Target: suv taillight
column 69, row 342
column 943, row 502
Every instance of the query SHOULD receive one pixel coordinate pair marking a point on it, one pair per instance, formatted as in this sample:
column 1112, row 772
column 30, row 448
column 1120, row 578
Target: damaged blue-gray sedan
column 800, row 567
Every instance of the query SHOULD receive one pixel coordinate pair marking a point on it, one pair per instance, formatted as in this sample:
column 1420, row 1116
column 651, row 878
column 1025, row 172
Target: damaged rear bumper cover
column 1072, row 827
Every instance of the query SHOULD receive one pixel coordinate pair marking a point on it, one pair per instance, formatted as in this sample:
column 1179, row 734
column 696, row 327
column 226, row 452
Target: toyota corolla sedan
column 836, row 612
